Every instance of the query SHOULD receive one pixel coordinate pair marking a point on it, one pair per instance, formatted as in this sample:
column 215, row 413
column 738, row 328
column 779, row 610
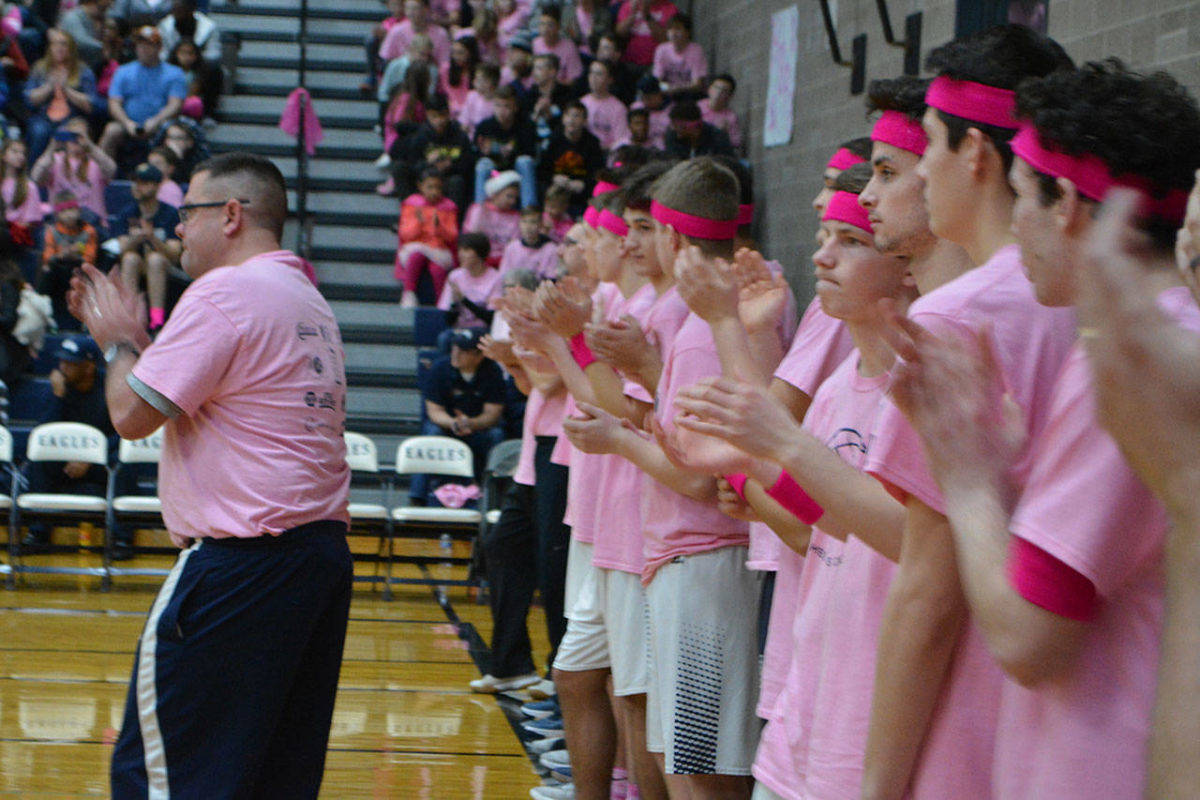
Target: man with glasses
column 237, row 667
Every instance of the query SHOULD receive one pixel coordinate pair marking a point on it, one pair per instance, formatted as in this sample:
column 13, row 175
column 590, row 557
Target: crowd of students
column 900, row 532
column 477, row 97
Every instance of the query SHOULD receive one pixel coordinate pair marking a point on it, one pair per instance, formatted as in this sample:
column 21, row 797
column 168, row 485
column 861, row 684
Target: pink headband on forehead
column 612, row 223
column 604, row 187
column 899, row 130
column 745, row 213
column 844, row 207
column 1093, row 178
column 976, row 102
column 844, row 159
column 591, row 215
column 691, row 225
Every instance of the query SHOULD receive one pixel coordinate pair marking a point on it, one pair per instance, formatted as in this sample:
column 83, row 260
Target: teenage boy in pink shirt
column 703, row 655
column 1067, row 587
column 643, row 23
column 679, row 63
column 849, row 153
column 532, row 250
column 416, row 20
column 608, row 118
column 715, row 110
column 551, row 40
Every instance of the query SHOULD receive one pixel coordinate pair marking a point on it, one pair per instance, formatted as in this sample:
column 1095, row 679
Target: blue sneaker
column 548, row 728
column 540, row 709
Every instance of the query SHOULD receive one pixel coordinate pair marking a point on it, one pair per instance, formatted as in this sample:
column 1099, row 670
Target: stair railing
column 304, row 244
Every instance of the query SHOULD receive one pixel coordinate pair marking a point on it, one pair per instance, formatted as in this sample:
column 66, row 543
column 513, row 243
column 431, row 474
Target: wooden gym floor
column 405, row 726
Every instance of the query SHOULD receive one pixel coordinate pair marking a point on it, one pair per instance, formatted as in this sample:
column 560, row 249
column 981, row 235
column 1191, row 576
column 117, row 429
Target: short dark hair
column 681, row 19
column 685, row 111
column 505, row 92
column 905, row 94
column 703, row 188
column 639, row 186
column 860, row 146
column 725, row 76
column 853, row 179
column 478, row 242
column 263, row 179
column 1001, row 57
column 437, row 102
column 553, row 58
column 639, row 112
column 1106, row 110
column 490, row 71
column 575, row 105
column 430, row 172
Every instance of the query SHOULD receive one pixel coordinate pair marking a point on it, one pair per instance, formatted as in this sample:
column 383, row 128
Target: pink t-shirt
column 475, row 109
column 820, row 345
column 1084, row 735
column 1031, row 343
column 501, row 227
column 508, row 26
column 479, row 289
column 678, row 69
column 726, row 120
column 570, row 67
column 640, row 49
column 396, row 43
column 843, row 412
column 31, row 211
column 543, row 259
column 608, row 119
column 64, row 177
column 677, row 525
column 170, row 193
column 543, row 417
column 662, row 321
column 253, row 358
column 584, row 467
column 557, row 229
column 619, row 542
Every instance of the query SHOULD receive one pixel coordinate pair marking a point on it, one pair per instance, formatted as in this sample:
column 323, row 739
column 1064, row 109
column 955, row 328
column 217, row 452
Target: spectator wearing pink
column 498, row 217
column 644, row 24
column 457, row 79
column 471, row 286
column 445, row 12
column 512, row 19
column 680, row 63
column 417, row 20
column 715, row 109
column 551, row 40
column 608, row 118
column 23, row 205
column 651, row 98
column 556, row 221
column 167, row 162
column 477, row 106
column 533, row 250
column 78, row 166
column 591, row 18
column 518, row 66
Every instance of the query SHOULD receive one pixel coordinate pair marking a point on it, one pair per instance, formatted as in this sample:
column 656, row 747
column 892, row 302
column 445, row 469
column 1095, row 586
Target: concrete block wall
column 1151, row 34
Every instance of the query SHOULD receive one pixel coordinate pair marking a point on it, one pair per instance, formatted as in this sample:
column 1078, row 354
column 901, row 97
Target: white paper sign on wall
column 781, row 81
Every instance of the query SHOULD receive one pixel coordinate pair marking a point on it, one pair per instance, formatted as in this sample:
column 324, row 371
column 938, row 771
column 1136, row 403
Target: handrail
column 303, row 245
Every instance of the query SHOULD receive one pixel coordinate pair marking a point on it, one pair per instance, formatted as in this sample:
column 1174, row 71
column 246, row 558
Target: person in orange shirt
column 67, row 244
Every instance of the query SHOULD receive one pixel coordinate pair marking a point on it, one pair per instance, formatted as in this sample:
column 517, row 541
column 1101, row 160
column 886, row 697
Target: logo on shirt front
column 847, row 438
column 824, row 556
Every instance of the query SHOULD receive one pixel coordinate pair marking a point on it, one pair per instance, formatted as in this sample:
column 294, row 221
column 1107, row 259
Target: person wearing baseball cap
column 149, row 244
column 144, row 94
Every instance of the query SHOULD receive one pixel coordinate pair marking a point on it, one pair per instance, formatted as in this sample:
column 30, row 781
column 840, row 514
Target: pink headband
column 844, row 159
column 691, row 225
column 604, row 187
column 612, row 223
column 591, row 215
column 844, row 207
column 1093, row 178
column 745, row 214
column 65, row 204
column 899, row 130
column 976, row 102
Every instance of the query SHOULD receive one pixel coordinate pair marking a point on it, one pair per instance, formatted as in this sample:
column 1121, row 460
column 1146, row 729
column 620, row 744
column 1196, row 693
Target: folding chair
column 6, row 503
column 501, row 464
column 59, row 441
column 432, row 455
column 370, row 518
column 145, row 509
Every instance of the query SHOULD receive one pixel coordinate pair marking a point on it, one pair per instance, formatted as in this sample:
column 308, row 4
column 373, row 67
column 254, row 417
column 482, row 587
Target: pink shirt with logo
column 253, row 358
column 543, row 417
column 726, row 120
column 842, row 414
column 676, row 525
column 640, row 49
column 570, row 67
column 543, row 259
column 821, row 343
column 1031, row 343
column 608, row 119
column 619, row 541
column 677, row 69
column 1084, row 735
column 479, row 289
column 398, row 39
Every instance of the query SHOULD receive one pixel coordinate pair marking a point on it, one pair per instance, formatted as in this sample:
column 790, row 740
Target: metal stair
column 352, row 229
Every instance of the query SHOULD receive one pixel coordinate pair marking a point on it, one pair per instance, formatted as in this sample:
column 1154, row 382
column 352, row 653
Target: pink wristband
column 581, row 352
column 788, row 494
column 737, row 482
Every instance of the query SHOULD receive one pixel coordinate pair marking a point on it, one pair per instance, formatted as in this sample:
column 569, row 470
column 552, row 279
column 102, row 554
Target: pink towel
column 453, row 495
column 289, row 122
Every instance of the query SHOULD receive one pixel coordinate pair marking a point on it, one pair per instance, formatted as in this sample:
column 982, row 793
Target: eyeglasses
column 185, row 211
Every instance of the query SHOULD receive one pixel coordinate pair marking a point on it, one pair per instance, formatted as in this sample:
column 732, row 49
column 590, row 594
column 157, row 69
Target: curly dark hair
column 1002, row 57
column 1143, row 125
column 905, row 94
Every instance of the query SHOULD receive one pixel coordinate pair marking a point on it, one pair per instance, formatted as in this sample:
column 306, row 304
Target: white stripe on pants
column 147, row 692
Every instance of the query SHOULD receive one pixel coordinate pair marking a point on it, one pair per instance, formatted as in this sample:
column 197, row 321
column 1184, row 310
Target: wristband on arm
column 581, row 352
column 737, row 482
column 788, row 494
